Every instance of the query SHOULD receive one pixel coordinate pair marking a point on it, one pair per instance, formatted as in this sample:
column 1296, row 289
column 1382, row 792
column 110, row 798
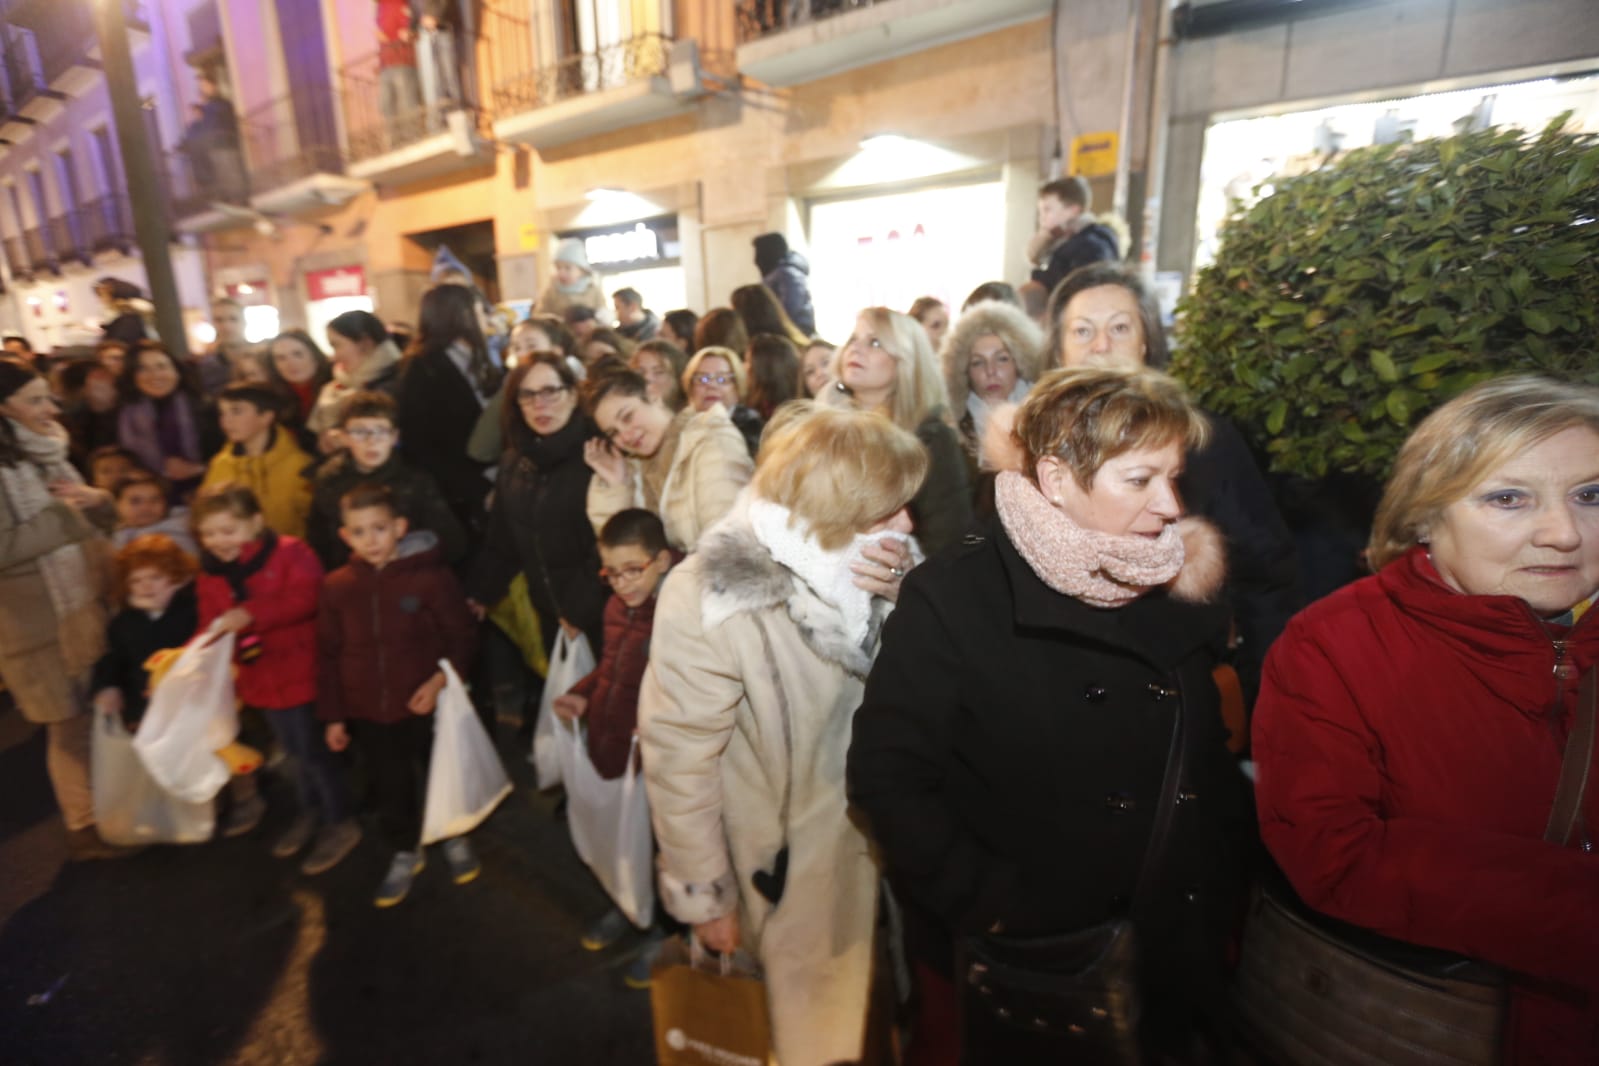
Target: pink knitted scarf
column 1101, row 569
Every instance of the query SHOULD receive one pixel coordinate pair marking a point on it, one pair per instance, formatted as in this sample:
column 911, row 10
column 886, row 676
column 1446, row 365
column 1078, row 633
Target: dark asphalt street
column 194, row 956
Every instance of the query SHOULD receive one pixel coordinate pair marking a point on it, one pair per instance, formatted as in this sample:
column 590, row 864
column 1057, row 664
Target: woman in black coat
column 1013, row 742
column 539, row 524
column 446, row 380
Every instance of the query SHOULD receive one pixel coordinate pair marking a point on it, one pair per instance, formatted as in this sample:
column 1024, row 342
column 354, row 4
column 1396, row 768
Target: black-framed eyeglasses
column 628, row 575
column 548, row 394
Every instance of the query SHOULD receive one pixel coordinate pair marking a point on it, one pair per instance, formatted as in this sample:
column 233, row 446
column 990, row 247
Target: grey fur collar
column 739, row 576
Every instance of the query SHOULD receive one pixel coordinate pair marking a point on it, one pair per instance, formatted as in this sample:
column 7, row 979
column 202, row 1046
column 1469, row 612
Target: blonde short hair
column 1459, row 444
column 837, row 469
column 734, row 361
column 918, row 379
column 1085, row 416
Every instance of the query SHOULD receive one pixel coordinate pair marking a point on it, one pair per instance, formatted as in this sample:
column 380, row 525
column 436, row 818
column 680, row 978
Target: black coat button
column 1094, row 693
column 1121, row 802
column 1160, row 692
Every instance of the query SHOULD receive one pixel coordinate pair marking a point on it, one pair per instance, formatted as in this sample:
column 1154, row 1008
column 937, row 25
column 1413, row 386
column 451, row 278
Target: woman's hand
column 884, row 565
column 233, row 620
column 572, row 632
column 570, row 707
column 177, row 468
column 76, row 495
column 719, row 934
column 606, row 461
column 479, row 611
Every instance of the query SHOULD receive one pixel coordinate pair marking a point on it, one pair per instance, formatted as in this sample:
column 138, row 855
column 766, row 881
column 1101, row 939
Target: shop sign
column 1094, row 154
column 338, row 283
column 651, row 242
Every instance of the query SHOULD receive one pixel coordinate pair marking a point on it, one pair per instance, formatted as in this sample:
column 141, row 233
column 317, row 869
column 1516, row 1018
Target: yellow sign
column 1094, row 154
column 527, row 237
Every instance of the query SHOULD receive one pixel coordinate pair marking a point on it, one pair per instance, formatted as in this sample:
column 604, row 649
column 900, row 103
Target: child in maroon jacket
column 388, row 616
column 634, row 551
column 262, row 587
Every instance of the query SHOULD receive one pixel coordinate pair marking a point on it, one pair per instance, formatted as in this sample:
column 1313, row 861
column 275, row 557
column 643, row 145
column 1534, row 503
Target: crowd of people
column 920, row 641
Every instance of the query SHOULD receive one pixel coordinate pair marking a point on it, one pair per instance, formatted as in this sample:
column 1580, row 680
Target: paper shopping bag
column 705, row 1015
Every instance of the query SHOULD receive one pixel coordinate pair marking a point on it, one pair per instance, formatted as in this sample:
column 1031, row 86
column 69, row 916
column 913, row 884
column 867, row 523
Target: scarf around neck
column 980, row 408
column 1101, row 569
column 241, row 569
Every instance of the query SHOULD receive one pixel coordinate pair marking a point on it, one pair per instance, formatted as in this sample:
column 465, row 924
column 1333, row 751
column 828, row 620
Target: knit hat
column 571, row 251
column 770, row 248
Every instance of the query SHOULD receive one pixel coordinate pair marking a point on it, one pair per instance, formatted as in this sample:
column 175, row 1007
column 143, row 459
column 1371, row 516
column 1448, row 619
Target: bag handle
column 1576, row 766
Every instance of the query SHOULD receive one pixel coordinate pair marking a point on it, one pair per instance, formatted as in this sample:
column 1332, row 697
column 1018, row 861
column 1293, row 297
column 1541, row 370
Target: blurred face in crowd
column 625, row 312
column 16, row 347
column 107, row 470
column 245, row 423
column 568, row 273
column 632, row 572
column 936, row 322
column 100, row 390
column 1054, row 213
column 150, row 589
column 1529, row 529
column 545, row 400
column 635, row 425
column 225, row 534
column 713, row 383
column 528, row 338
column 293, row 360
column 817, row 367
column 656, row 370
column 229, row 323
column 992, row 372
column 371, row 441
column 141, row 505
column 1102, row 327
column 112, row 357
column 668, row 334
column 156, row 376
column 32, row 406
column 868, row 368
column 1132, row 493
column 594, row 351
column 583, row 329
column 348, row 353
column 373, row 534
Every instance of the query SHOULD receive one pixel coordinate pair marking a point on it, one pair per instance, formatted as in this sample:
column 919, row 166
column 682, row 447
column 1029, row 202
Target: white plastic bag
column 191, row 716
column 129, row 807
column 571, row 660
column 610, row 823
column 465, row 778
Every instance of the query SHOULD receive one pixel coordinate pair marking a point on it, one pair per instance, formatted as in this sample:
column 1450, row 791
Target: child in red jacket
column 263, row 588
column 636, row 556
column 388, row 616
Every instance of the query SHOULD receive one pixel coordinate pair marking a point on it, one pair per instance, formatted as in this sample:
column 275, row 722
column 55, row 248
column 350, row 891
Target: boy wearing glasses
column 636, row 556
column 370, row 433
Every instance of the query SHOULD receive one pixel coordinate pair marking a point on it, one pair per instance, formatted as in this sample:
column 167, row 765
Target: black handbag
column 1068, row 997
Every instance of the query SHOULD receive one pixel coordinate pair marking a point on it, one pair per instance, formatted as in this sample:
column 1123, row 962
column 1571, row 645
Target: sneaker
column 611, row 927
column 85, row 844
column 464, row 866
column 244, row 816
column 332, row 845
column 637, row 974
column 397, row 882
column 295, row 837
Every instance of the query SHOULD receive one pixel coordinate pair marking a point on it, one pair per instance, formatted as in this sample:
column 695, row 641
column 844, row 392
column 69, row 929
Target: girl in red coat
column 263, row 588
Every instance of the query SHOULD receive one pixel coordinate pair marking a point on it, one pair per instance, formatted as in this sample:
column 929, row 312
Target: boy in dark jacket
column 1068, row 235
column 636, row 556
column 387, row 617
column 160, row 612
column 370, row 428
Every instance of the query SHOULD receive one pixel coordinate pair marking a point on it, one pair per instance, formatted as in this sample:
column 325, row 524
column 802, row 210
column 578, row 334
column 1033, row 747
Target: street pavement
column 218, row 953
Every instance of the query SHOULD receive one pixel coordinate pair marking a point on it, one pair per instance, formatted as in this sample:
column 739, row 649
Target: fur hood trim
column 739, row 576
column 1021, row 337
column 1204, row 562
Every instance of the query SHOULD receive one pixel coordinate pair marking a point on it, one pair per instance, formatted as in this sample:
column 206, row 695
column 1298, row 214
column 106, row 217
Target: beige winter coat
column 744, row 655
column 707, row 463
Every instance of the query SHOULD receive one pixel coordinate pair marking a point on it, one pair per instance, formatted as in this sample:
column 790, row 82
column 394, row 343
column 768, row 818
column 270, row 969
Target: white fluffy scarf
column 980, row 408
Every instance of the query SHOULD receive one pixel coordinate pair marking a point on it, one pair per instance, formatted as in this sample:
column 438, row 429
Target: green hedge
column 1354, row 299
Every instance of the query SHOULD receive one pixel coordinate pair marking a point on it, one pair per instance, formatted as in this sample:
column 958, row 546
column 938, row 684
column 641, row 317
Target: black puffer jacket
column 417, row 495
column 1092, row 244
column 539, row 525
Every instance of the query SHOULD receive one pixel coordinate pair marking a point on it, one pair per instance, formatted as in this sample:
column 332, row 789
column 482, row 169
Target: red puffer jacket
column 382, row 633
column 282, row 600
column 1408, row 740
column 612, row 689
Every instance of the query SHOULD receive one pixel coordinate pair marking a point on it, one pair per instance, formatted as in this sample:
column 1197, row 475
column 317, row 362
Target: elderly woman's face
column 1529, row 529
column 1133, row 493
column 1102, row 327
column 713, row 383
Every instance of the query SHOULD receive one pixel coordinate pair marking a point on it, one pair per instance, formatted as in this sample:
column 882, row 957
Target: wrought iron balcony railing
column 17, row 257
column 762, row 18
column 376, row 123
column 521, row 86
column 108, row 223
column 39, row 254
column 291, row 138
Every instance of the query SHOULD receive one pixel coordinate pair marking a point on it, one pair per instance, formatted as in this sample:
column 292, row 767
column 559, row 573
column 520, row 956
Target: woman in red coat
column 1411, row 727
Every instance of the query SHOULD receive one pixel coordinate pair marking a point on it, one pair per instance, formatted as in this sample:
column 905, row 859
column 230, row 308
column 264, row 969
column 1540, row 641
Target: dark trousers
column 318, row 778
column 396, row 758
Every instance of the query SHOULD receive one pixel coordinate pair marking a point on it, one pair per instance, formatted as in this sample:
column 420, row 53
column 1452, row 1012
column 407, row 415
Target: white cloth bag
column 466, row 780
column 192, row 715
column 571, row 660
column 610, row 823
column 129, row 807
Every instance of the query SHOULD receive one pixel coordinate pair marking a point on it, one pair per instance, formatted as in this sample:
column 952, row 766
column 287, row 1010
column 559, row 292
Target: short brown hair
column 1072, row 191
column 369, row 494
column 368, row 404
column 153, row 551
column 230, row 497
column 1084, row 416
column 511, row 410
column 1459, row 444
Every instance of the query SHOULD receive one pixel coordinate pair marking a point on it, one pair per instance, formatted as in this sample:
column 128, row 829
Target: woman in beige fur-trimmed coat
column 762, row 642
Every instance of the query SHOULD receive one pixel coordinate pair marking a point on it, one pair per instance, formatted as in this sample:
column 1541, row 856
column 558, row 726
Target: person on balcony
column 211, row 143
column 399, row 93
column 435, row 62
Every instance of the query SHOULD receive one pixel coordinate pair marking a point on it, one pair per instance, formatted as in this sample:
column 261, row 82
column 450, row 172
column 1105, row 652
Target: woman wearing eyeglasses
column 716, row 376
column 537, row 524
column 686, row 467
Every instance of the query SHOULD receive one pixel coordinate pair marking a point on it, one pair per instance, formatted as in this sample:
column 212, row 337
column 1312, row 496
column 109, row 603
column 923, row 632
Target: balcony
column 108, row 224
column 17, row 257
column 53, row 51
column 788, row 42
column 292, row 150
column 38, row 253
column 208, row 189
column 625, row 84
column 418, row 144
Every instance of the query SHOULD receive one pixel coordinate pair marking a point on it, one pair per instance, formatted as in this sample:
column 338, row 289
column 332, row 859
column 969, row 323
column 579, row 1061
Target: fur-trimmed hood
column 1021, row 337
column 739, row 576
